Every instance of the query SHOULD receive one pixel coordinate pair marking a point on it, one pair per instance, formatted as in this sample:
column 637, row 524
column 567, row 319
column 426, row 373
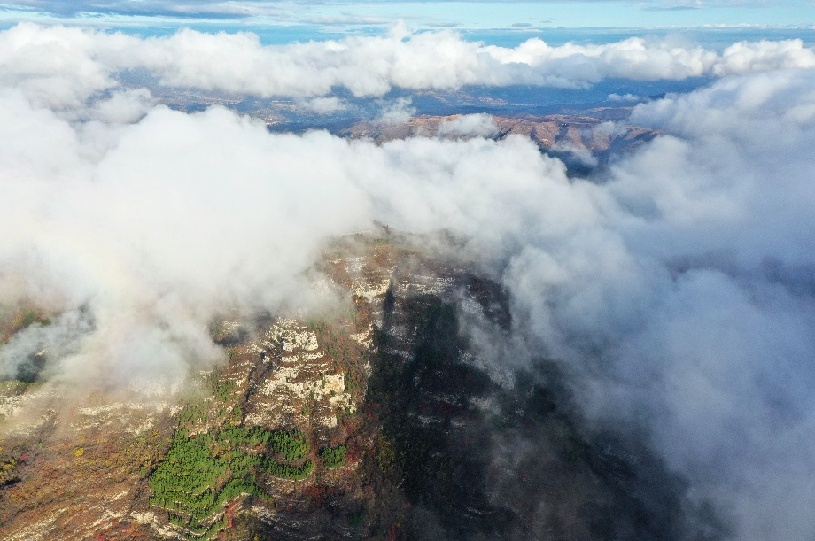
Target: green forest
column 201, row 473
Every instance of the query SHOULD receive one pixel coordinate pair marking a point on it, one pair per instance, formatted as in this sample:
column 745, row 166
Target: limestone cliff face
column 78, row 466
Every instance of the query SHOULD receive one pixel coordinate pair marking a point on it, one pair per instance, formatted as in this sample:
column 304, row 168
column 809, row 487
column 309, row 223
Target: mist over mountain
column 621, row 300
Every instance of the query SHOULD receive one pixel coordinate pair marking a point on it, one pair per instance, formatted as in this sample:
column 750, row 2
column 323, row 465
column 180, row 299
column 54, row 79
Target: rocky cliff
column 383, row 420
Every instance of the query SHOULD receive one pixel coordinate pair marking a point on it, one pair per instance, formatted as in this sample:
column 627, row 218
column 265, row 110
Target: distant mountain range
column 584, row 142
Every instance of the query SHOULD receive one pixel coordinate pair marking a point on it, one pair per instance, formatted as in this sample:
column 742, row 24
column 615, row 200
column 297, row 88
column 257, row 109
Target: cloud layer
column 686, row 308
column 677, row 292
column 65, row 66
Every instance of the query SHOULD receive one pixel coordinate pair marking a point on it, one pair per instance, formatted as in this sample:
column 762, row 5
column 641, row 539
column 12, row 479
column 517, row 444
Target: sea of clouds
column 677, row 292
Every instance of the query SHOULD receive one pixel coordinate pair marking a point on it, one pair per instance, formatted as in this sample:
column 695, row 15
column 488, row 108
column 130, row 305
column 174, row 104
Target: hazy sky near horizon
column 340, row 15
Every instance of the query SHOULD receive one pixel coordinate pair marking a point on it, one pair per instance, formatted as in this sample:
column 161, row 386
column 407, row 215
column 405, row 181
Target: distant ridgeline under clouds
column 676, row 291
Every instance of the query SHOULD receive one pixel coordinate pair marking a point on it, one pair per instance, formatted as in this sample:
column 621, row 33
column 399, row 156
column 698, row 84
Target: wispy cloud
column 670, row 8
column 428, row 11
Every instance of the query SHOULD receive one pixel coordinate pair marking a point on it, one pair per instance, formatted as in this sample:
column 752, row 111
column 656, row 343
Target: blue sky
column 351, row 16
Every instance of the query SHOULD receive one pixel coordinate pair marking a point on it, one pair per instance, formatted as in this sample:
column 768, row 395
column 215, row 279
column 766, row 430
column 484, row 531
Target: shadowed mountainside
column 383, row 422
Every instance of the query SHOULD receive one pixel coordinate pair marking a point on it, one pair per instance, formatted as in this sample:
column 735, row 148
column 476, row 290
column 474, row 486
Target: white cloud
column 746, row 57
column 397, row 111
column 477, row 124
column 64, row 66
column 54, row 66
column 686, row 309
column 324, row 105
column 173, row 219
column 629, row 98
